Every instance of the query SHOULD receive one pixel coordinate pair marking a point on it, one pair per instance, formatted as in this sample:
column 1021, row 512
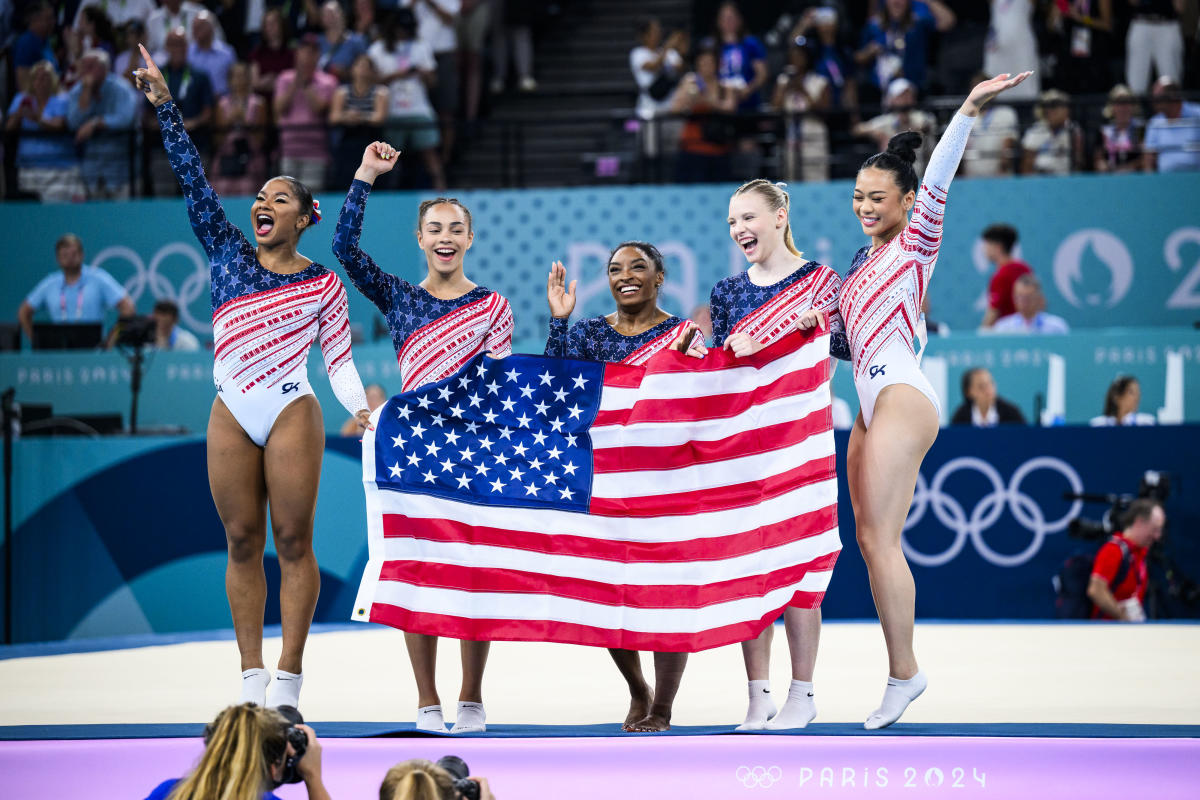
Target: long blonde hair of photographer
column 417, row 779
column 245, row 741
column 776, row 198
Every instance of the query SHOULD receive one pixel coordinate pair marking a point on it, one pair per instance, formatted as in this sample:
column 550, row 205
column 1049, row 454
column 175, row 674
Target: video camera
column 1155, row 485
column 467, row 789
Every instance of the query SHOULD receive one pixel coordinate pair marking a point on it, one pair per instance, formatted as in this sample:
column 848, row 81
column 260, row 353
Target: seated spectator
column 78, row 292
column 1054, row 144
column 376, row 396
column 1173, row 135
column 209, row 54
column 1154, row 37
column 999, row 243
column 34, row 45
column 1117, row 587
column 418, row 779
column 1030, row 316
column 193, row 94
column 743, row 64
column 819, row 25
column 240, row 160
column 167, row 333
column 357, row 115
column 273, row 55
column 46, row 163
column 708, row 135
column 101, row 111
column 902, row 115
column 170, row 15
column 339, row 47
column 512, row 33
column 302, row 98
column 992, row 148
column 1012, row 47
column 804, row 96
column 1120, row 146
column 407, row 67
column 895, row 44
column 981, row 406
column 1121, row 403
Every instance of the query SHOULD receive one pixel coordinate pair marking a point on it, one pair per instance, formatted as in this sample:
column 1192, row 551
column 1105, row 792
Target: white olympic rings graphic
column 193, row 287
column 759, row 777
column 1025, row 510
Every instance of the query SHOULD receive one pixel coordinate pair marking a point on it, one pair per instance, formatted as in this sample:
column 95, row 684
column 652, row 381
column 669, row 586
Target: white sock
column 470, row 719
column 761, row 709
column 896, row 698
column 254, row 686
column 798, row 711
column 429, row 718
column 285, row 691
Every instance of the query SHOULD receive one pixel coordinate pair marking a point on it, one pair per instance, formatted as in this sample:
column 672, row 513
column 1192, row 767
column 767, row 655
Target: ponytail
column 776, row 198
column 416, row 779
column 240, row 746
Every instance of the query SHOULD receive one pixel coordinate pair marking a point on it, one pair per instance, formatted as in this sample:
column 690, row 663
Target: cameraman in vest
column 1118, row 584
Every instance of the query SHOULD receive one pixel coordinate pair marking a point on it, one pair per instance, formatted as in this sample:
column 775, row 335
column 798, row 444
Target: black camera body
column 1154, row 485
column 298, row 739
column 458, row 769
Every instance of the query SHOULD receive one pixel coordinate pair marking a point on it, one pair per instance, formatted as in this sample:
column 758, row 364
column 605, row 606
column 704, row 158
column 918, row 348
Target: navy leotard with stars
column 596, row 340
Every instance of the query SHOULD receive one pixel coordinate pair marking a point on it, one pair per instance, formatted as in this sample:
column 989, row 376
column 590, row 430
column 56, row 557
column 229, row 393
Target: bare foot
column 651, row 723
column 639, row 707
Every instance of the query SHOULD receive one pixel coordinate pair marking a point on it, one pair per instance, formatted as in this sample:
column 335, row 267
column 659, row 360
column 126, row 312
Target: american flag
column 674, row 506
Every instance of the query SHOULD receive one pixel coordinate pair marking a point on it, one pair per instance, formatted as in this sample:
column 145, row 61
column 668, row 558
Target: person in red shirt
column 998, row 243
column 1122, row 600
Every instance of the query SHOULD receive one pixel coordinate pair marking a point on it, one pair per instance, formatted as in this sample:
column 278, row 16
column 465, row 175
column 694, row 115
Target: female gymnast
column 265, row 434
column 437, row 327
column 630, row 335
column 898, row 409
column 749, row 311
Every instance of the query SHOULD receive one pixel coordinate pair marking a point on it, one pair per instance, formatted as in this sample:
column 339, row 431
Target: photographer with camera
column 448, row 779
column 1117, row 587
column 248, row 751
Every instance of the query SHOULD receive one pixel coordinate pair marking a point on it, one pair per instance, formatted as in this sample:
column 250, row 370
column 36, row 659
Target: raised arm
column 561, row 299
column 333, row 333
column 376, row 285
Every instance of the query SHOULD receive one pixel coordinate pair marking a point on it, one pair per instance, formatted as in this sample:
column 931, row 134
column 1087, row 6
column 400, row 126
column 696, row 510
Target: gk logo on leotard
column 759, row 777
column 877, row 371
column 987, row 510
column 290, row 387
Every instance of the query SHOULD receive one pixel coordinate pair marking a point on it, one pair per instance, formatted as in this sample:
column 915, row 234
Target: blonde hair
column 241, row 745
column 776, row 198
column 417, row 779
column 48, row 68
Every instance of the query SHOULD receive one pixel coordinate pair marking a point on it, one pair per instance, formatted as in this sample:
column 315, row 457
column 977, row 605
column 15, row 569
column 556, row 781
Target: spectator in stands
column 512, row 33
column 357, row 114
column 708, row 135
column 992, row 148
column 407, row 66
column 473, row 26
column 419, row 779
column 436, row 27
column 999, row 243
column 1030, row 316
column 339, row 47
column 830, row 59
column 302, row 98
column 129, row 59
column 193, row 93
column 804, row 96
column 209, row 54
column 273, row 56
column 1012, row 46
column 1154, row 37
column 170, row 15
column 1054, row 144
column 78, row 292
column 1121, row 403
column 119, row 11
column 743, row 64
column 657, row 66
column 981, row 406
column 34, row 45
column 1124, row 557
column 101, row 111
column 902, row 115
column 376, row 396
column 245, row 749
column 93, row 30
column 895, row 44
column 1081, row 35
column 167, row 333
column 46, row 163
column 1173, row 134
column 366, row 22
column 241, row 162
column 1119, row 148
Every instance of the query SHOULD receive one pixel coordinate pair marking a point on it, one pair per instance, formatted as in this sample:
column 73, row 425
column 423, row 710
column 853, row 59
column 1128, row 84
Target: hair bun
column 904, row 146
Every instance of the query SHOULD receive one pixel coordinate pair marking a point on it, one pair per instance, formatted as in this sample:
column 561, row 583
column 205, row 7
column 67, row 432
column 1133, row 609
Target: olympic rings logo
column 950, row 512
column 759, row 777
column 193, row 287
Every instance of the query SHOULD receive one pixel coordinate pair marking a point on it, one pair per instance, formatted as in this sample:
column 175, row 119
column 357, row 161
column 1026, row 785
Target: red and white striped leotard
column 883, row 291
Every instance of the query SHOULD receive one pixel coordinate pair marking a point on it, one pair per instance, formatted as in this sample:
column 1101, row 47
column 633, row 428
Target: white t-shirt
column 440, row 37
column 639, row 57
column 119, row 11
column 985, row 148
column 1132, row 418
column 1041, row 323
column 1051, row 149
column 407, row 96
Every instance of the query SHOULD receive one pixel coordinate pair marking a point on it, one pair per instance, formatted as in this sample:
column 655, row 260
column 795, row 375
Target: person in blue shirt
column 46, row 162
column 743, row 66
column 339, row 47
column 1172, row 141
column 78, row 292
column 33, row 45
column 101, row 112
column 895, row 44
